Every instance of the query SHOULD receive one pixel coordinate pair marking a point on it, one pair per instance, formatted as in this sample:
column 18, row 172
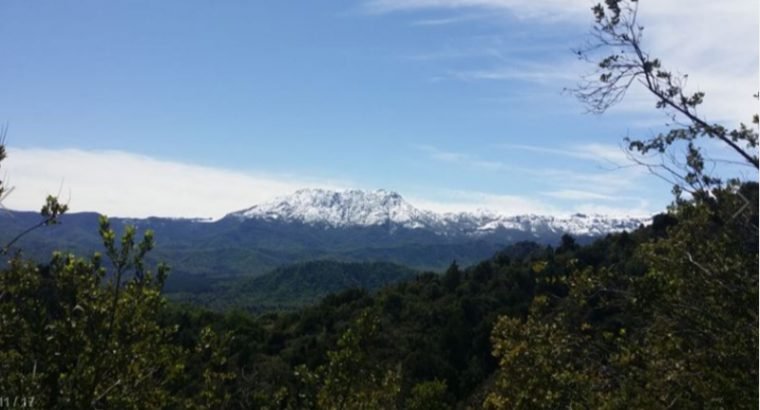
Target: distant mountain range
column 354, row 208
column 315, row 224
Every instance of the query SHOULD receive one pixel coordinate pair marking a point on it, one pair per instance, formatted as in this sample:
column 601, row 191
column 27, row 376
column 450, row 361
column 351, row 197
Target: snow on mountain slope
column 372, row 208
column 340, row 209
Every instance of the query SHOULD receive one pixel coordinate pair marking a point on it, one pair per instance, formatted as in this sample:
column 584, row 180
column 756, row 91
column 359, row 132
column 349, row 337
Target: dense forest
column 665, row 316
column 295, row 286
column 625, row 321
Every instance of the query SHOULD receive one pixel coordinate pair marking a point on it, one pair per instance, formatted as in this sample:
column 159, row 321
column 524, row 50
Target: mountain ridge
column 355, row 207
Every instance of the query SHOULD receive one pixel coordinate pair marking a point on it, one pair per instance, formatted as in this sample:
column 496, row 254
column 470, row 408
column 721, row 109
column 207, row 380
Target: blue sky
column 198, row 108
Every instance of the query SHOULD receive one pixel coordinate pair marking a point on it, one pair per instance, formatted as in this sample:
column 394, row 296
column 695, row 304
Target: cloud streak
column 716, row 43
column 123, row 184
column 453, row 201
column 554, row 9
column 608, row 154
column 541, row 74
column 573, row 194
column 621, row 188
column 461, row 158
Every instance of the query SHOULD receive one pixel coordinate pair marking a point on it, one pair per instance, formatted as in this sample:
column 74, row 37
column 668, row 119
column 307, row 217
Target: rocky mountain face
column 356, row 208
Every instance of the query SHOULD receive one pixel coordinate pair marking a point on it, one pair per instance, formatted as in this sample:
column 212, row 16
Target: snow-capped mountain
column 357, row 208
column 341, row 209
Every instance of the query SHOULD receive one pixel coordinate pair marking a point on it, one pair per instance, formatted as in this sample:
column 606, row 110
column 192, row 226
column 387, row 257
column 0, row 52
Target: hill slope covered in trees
column 297, row 285
column 578, row 325
column 587, row 326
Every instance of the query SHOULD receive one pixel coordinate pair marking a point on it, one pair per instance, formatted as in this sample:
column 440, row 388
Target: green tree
column 350, row 379
column 75, row 334
column 683, row 334
column 452, row 277
column 431, row 395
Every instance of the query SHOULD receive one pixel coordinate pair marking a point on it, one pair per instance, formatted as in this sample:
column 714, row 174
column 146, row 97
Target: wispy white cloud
column 124, row 184
column 617, row 182
column 618, row 173
column 638, row 208
column 554, row 9
column 563, row 190
column 611, row 153
column 606, row 154
column 716, row 43
column 616, row 176
column 573, row 194
column 472, row 201
column 446, row 21
column 453, row 53
column 535, row 73
column 500, row 48
column 459, row 158
column 446, row 201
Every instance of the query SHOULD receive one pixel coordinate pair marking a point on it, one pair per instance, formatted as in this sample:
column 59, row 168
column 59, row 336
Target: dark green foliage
column 430, row 395
column 78, row 335
column 438, row 335
column 556, row 319
column 435, row 330
column 424, row 342
column 50, row 214
column 298, row 285
column 670, row 322
column 452, row 277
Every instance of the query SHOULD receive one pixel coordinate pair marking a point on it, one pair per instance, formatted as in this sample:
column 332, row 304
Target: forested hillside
column 588, row 325
column 579, row 325
column 296, row 286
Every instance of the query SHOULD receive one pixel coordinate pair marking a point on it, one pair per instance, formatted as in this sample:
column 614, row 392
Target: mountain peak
column 359, row 208
column 352, row 207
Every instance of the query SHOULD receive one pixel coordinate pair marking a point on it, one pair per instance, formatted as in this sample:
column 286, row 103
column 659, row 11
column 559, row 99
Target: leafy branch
column 617, row 29
column 51, row 212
